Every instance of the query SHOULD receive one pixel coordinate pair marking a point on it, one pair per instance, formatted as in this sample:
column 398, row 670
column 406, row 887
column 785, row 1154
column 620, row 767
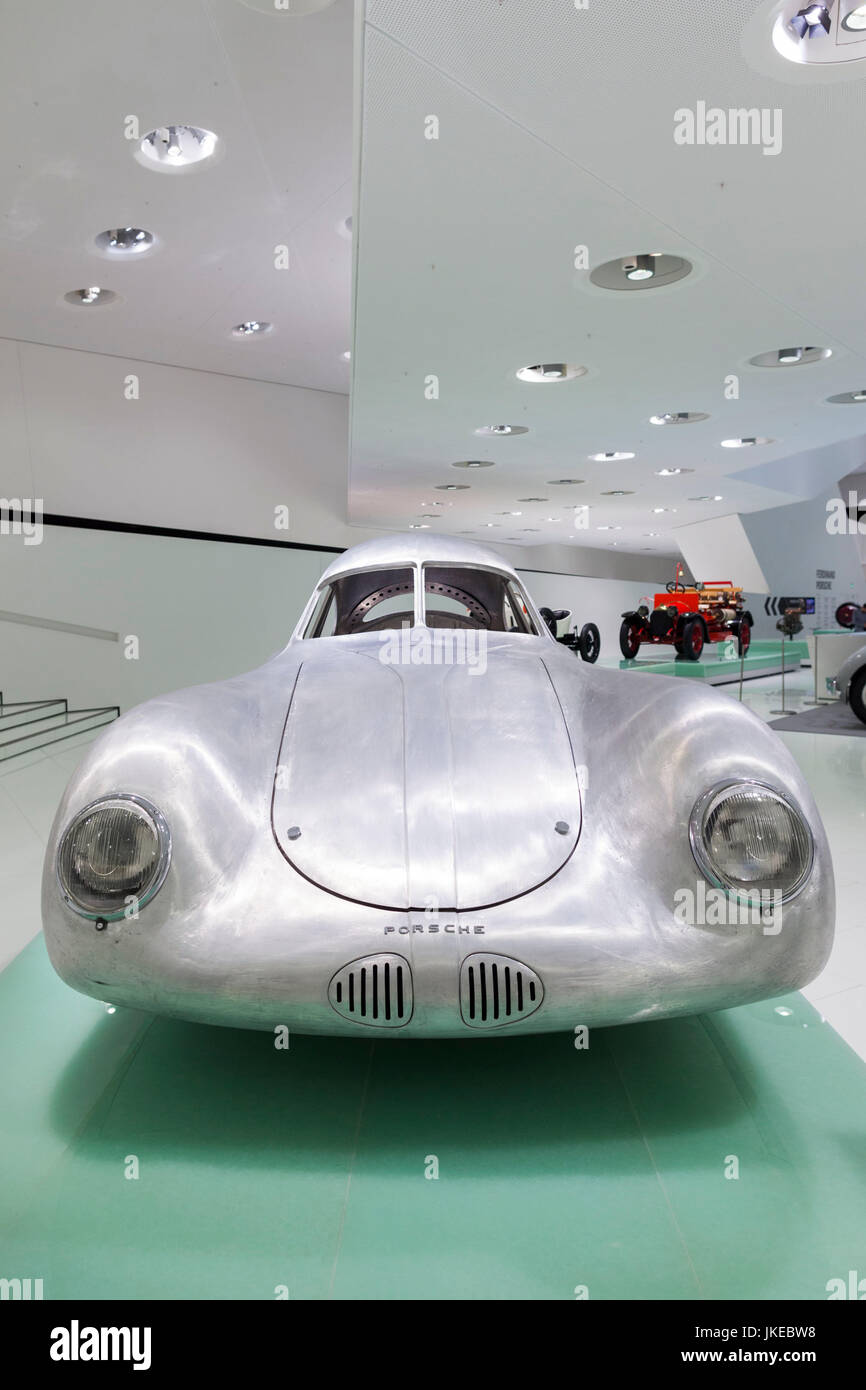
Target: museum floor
column 305, row 1170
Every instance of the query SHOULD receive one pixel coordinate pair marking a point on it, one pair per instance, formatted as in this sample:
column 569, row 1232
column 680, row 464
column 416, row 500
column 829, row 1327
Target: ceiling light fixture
column 848, row 398
column 667, row 472
column 551, row 371
column 564, row 482
column 533, row 499
column 125, row 241
column 608, row 528
column 618, row 492
column 747, row 442
column 502, row 430
column 644, row 271
column 251, row 328
column 679, row 417
column 612, row 456
column 452, row 487
column 509, row 513
column 855, row 20
column 638, row 267
column 474, row 463
column 90, row 297
column 659, row 510
column 791, row 357
column 717, row 497
column 171, row 148
column 347, row 355
column 811, row 18
column 418, row 526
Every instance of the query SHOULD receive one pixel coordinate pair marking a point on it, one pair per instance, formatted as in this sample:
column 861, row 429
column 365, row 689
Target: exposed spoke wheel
column 589, row 642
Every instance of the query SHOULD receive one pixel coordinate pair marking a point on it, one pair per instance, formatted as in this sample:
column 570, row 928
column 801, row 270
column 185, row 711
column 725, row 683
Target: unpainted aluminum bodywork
column 330, row 807
column 850, row 667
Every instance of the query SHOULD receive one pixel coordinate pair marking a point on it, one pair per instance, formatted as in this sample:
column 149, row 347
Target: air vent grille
column 375, row 990
column 495, row 990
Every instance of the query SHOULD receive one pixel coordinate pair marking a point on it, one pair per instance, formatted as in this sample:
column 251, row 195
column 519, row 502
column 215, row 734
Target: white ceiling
column 556, row 129
column 277, row 90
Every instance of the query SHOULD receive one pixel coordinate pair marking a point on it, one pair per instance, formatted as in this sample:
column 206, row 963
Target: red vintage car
column 687, row 616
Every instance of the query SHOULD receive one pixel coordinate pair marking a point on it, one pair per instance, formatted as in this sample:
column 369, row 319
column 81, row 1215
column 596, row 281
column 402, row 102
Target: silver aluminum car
column 425, row 816
column 850, row 682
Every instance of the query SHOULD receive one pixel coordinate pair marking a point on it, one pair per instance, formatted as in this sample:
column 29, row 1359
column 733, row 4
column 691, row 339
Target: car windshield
column 460, row 596
column 454, row 597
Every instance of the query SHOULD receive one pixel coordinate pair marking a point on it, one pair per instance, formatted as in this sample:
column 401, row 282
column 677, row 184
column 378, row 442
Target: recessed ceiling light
column 679, row 417
column 473, row 463
column 747, row 442
column 612, row 456
column 855, row 20
column 170, row 148
column 645, row 271
column 551, row 371
column 530, row 528
column 452, row 487
column 418, row 526
column 791, row 357
column 717, row 497
column 344, row 228
column 638, row 268
column 608, row 528
column 251, row 328
column 668, row 472
column 618, row 492
column 434, row 503
column 347, row 355
column 125, row 241
column 848, row 398
column 488, row 524
column 91, row 297
column 502, row 430
column 659, row 510
column 509, row 513
column 564, row 482
column 533, row 499
column 648, row 534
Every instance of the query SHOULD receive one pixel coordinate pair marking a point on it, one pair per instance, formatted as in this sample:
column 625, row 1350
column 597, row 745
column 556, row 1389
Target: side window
column 324, row 616
column 520, row 619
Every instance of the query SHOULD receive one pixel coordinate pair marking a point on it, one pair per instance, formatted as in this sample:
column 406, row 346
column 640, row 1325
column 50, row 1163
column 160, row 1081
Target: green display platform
column 305, row 1168
column 764, row 658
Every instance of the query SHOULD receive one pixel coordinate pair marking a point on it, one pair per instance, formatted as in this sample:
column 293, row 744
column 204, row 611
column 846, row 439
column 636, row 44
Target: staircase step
column 29, row 712
column 54, row 729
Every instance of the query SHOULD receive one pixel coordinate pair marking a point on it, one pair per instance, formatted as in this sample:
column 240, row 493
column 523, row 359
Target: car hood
column 426, row 787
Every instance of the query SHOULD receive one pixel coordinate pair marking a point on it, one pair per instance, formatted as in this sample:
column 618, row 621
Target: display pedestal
column 711, row 1157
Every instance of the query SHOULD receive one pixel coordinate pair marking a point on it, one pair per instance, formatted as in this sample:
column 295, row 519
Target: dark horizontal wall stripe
column 84, row 523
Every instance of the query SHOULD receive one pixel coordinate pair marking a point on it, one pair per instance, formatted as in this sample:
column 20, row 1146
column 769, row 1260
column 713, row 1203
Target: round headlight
column 749, row 839
column 116, row 850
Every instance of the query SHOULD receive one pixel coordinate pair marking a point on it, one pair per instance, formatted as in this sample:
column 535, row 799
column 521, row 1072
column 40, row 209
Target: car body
column 687, row 617
column 850, row 682
column 424, row 817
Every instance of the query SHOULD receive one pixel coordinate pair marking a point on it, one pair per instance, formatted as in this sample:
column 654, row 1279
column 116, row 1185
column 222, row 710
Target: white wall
column 201, row 610
column 599, row 601
column 792, row 544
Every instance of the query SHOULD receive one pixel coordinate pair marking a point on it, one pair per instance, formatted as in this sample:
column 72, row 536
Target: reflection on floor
column 835, row 766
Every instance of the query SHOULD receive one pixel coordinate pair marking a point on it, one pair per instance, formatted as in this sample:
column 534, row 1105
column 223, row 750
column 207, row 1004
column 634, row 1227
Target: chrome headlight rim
column 701, row 855
column 164, row 848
